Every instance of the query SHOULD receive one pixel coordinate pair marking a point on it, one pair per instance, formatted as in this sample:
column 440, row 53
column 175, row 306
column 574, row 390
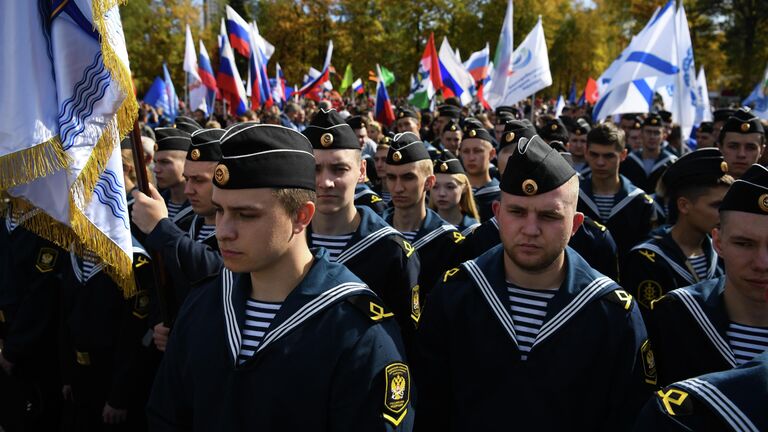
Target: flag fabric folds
column 314, row 87
column 357, row 86
column 238, row 32
column 228, row 79
column 457, row 82
column 278, row 90
column 703, row 111
column 759, row 97
column 207, row 77
column 59, row 155
column 347, row 80
column 383, row 113
column 428, row 79
column 197, row 91
column 685, row 98
column 171, row 99
column 502, row 60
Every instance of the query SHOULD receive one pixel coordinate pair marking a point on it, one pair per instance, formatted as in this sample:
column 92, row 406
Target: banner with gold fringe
column 71, row 129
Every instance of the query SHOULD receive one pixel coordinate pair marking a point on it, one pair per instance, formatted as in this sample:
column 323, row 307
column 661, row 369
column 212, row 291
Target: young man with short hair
column 529, row 329
column 476, row 153
column 171, row 148
column 451, row 137
column 718, row 324
column 644, row 168
column 279, row 316
column 577, row 145
column 742, row 141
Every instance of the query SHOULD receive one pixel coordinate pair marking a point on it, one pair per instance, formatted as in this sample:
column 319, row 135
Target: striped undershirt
column 700, row 265
column 11, row 221
column 604, row 205
column 409, row 235
column 386, row 196
column 747, row 342
column 205, row 232
column 335, row 244
column 529, row 308
column 90, row 261
column 173, row 209
column 258, row 317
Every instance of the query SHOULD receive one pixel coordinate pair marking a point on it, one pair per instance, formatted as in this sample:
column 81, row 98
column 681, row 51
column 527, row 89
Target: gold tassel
column 23, row 166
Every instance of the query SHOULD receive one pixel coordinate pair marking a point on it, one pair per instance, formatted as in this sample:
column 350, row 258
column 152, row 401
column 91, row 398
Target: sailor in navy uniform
column 450, row 173
column 172, row 145
column 279, row 317
column 354, row 235
column 30, row 280
column 410, row 174
column 571, row 355
column 682, row 254
column 720, row 323
column 732, row 400
column 644, row 168
column 476, row 152
column 187, row 124
column 742, row 141
column 592, row 240
column 107, row 367
column 365, row 196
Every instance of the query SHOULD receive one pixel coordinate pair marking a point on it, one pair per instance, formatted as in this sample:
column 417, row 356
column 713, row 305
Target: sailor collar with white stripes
column 676, row 260
column 575, row 293
column 370, row 230
column 432, row 227
column 324, row 285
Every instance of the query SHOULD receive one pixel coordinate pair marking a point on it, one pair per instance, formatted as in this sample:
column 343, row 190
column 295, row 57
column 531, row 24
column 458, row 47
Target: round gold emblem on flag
column 745, row 127
column 221, row 175
column 763, row 202
column 326, row 140
column 472, row 133
column 396, row 156
column 443, row 167
column 724, row 166
column 530, row 187
column 195, row 154
column 510, row 137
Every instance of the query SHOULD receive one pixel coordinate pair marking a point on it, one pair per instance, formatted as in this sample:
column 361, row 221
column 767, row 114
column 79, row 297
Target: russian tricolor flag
column 239, row 33
column 205, row 71
column 457, row 82
column 278, row 91
column 384, row 113
column 357, row 86
column 229, row 82
column 313, row 89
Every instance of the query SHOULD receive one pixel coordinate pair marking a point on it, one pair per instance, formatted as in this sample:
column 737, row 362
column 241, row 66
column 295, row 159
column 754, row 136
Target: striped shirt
column 700, row 265
column 409, row 235
column 173, row 209
column 747, row 342
column 205, row 232
column 11, row 221
column 335, row 244
column 386, row 196
column 604, row 205
column 258, row 317
column 529, row 308
column 89, row 263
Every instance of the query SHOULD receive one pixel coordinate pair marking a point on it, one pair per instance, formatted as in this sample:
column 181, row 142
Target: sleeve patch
column 450, row 273
column 675, row 402
column 375, row 199
column 372, row 307
column 649, row 363
column 46, row 259
column 415, row 304
column 397, row 392
column 649, row 291
column 651, row 256
column 457, row 237
column 620, row 297
column 141, row 304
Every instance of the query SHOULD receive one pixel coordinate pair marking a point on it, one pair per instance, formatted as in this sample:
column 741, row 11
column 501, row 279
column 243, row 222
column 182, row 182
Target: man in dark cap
column 171, row 149
column 187, row 124
column 360, row 126
column 279, row 316
column 529, row 329
column 634, row 135
column 554, row 130
column 610, row 198
column 355, row 235
column 410, row 175
column 450, row 138
column 719, row 117
column 407, row 121
column 718, row 324
column 704, row 135
column 742, row 141
column 681, row 254
column 628, row 120
column 577, row 145
column 501, row 119
column 644, row 168
column 476, row 153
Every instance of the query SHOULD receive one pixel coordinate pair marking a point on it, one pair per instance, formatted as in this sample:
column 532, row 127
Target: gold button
column 221, row 175
column 472, row 133
column 763, row 202
column 326, row 139
column 510, row 137
column 745, row 127
column 396, row 156
column 724, row 166
column 444, row 167
column 195, row 155
column 530, row 187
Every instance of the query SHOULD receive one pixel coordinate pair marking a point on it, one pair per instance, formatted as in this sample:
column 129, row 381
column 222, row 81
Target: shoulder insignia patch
column 371, row 306
column 46, row 259
column 457, row 237
column 409, row 249
column 648, row 199
column 415, row 304
column 397, row 392
column 620, row 297
column 649, row 363
column 599, row 225
column 141, row 304
column 648, row 254
column 375, row 199
column 450, row 273
column 140, row 261
column 648, row 291
column 675, row 401
column 653, row 302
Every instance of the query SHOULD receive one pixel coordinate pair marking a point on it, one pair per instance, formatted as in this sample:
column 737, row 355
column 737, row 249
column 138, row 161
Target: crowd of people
column 308, row 268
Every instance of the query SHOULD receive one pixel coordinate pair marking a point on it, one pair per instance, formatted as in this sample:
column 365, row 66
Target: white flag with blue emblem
column 703, row 110
column 686, row 97
column 71, row 86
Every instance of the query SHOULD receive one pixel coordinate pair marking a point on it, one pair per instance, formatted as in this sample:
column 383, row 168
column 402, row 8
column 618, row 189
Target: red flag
column 590, row 91
column 430, row 62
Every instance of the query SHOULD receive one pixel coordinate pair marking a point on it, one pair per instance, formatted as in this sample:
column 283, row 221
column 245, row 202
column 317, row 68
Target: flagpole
column 533, row 107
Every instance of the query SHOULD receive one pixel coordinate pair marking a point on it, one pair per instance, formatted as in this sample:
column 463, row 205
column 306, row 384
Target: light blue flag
column 170, row 103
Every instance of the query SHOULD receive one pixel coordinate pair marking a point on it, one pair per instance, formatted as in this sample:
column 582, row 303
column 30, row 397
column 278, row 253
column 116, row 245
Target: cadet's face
column 451, row 141
column 336, row 174
column 169, row 168
column 604, row 160
column 447, row 192
column 577, row 144
column 704, row 139
column 742, row 242
column 741, row 151
column 407, row 124
column 476, row 154
column 439, row 124
column 626, row 125
column 380, row 160
column 252, row 228
column 703, row 214
column 535, row 230
column 198, row 187
column 373, row 134
column 362, row 134
column 635, row 139
column 407, row 185
column 652, row 137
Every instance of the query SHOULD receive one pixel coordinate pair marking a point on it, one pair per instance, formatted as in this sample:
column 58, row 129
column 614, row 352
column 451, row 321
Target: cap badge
column 763, row 202
column 396, row 156
column 724, row 166
column 195, row 155
column 443, row 167
column 510, row 137
column 553, row 127
column 654, row 121
column 578, row 132
column 472, row 133
column 530, row 187
column 156, row 147
column 745, row 127
column 326, row 140
column 402, row 114
column 221, row 175
column 453, row 128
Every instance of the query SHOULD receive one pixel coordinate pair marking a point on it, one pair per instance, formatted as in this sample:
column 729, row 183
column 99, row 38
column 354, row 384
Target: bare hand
column 113, row 415
column 148, row 211
column 160, row 336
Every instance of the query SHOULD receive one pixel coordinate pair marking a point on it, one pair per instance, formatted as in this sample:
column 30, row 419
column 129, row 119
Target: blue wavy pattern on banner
column 87, row 92
column 110, row 192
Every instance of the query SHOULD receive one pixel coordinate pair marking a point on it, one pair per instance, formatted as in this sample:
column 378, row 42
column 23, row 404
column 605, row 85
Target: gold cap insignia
column 763, row 202
column 654, row 121
column 530, row 187
column 83, row 358
column 745, row 127
column 195, row 155
column 453, row 128
column 397, row 156
column 443, row 167
column 577, row 132
column 553, row 127
column 221, row 175
column 156, row 147
column 472, row 133
column 326, row 140
column 402, row 114
column 510, row 137
column 724, row 166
